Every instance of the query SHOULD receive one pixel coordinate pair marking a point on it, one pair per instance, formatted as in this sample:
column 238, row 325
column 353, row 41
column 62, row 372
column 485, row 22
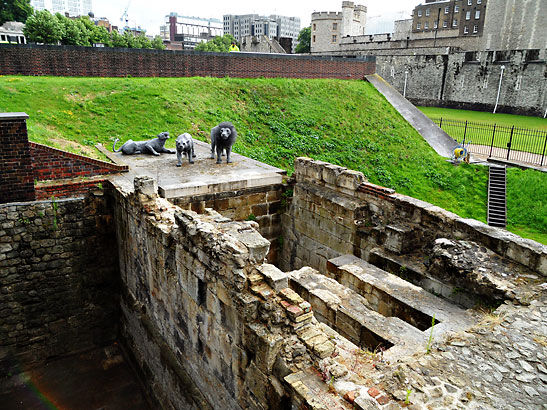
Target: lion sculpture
column 223, row 136
column 154, row 146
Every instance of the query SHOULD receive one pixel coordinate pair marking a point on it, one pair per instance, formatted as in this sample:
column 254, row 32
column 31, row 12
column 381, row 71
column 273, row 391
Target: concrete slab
column 205, row 176
column 439, row 140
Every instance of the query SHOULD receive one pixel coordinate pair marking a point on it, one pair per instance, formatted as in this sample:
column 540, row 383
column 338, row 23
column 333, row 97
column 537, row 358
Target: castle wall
column 111, row 62
column 334, row 212
column 58, row 279
column 470, row 80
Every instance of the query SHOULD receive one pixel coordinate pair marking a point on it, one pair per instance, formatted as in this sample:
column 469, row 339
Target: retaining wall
column 59, row 279
column 113, row 62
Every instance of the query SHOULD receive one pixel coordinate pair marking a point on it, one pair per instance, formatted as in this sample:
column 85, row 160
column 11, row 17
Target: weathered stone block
column 145, row 185
column 274, row 277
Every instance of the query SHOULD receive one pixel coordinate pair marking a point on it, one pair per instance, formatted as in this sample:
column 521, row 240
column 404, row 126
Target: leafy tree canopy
column 43, row 27
column 304, row 41
column 15, row 10
column 218, row 44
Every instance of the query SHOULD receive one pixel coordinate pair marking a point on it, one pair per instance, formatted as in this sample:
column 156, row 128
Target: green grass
column 343, row 122
column 529, row 133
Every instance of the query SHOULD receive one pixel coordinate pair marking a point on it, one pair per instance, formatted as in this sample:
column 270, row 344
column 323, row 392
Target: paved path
column 439, row 140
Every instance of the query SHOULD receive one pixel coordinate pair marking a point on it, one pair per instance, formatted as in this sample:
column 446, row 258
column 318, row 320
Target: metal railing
column 498, row 141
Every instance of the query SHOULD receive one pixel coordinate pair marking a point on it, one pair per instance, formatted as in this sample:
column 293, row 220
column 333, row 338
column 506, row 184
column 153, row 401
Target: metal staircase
column 497, row 205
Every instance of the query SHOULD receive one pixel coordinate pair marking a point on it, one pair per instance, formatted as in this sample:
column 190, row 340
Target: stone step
column 351, row 315
column 391, row 295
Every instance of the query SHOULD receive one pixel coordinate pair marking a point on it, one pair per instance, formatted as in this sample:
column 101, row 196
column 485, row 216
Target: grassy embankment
column 343, row 122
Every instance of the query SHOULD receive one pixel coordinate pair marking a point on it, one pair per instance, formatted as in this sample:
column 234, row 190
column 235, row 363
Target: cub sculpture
column 185, row 146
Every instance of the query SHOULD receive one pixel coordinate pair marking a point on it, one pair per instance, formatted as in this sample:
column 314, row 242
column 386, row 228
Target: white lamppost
column 499, row 89
column 404, row 88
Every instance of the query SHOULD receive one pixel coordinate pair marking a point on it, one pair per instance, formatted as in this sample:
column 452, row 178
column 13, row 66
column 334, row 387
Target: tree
column 304, row 41
column 141, row 41
column 43, row 27
column 100, row 35
column 157, row 43
column 15, row 10
column 118, row 40
column 218, row 44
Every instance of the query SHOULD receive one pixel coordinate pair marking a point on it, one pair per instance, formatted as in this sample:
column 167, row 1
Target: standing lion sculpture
column 223, row 136
column 154, row 146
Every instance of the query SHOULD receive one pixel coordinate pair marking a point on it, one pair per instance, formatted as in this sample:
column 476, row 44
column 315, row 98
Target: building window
column 475, row 29
column 314, row 28
column 313, row 38
column 427, row 12
column 445, row 23
column 334, row 38
column 426, row 25
column 465, row 30
column 517, row 84
column 455, row 23
column 469, row 2
column 335, row 26
column 477, row 14
column 468, row 15
column 446, row 10
column 435, row 24
column 479, row 1
column 419, row 13
column 418, row 26
column 456, row 8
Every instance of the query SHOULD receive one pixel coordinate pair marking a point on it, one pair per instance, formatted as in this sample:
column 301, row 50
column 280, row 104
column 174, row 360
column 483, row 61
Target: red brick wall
column 16, row 175
column 108, row 62
column 50, row 163
column 68, row 189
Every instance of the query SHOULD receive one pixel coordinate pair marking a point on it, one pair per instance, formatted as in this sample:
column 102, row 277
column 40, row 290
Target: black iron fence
column 498, row 141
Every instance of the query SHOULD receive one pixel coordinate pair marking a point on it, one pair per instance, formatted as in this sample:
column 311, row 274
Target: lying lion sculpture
column 154, row 146
column 223, row 136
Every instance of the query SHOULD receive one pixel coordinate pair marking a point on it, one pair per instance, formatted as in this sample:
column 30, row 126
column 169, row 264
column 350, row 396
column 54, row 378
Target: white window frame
column 418, row 26
column 447, row 10
column 427, row 12
column 445, row 24
column 468, row 15
column 426, row 25
column 479, row 1
column 456, row 8
column 419, row 13
column 455, row 23
column 475, row 29
column 469, row 2
column 465, row 30
column 435, row 24
column 477, row 14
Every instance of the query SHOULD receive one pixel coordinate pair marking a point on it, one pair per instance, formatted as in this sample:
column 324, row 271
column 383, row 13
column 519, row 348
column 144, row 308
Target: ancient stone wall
column 335, row 212
column 209, row 324
column 111, row 62
column 58, row 279
column 261, row 204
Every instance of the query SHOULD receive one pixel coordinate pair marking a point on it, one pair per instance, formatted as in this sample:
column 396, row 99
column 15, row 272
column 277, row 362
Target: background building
column 281, row 28
column 328, row 28
column 74, row 8
column 183, row 32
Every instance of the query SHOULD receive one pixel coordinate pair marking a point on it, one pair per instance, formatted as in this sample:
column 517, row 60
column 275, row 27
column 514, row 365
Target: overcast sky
column 150, row 14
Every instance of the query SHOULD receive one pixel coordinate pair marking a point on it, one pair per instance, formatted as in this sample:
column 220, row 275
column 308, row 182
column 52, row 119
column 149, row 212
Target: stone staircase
column 375, row 309
column 497, row 206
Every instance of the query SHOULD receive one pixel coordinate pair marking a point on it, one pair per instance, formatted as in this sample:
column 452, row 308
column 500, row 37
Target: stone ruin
column 371, row 300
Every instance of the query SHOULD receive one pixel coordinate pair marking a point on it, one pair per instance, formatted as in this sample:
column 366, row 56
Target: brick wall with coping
column 16, row 174
column 115, row 62
column 22, row 163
